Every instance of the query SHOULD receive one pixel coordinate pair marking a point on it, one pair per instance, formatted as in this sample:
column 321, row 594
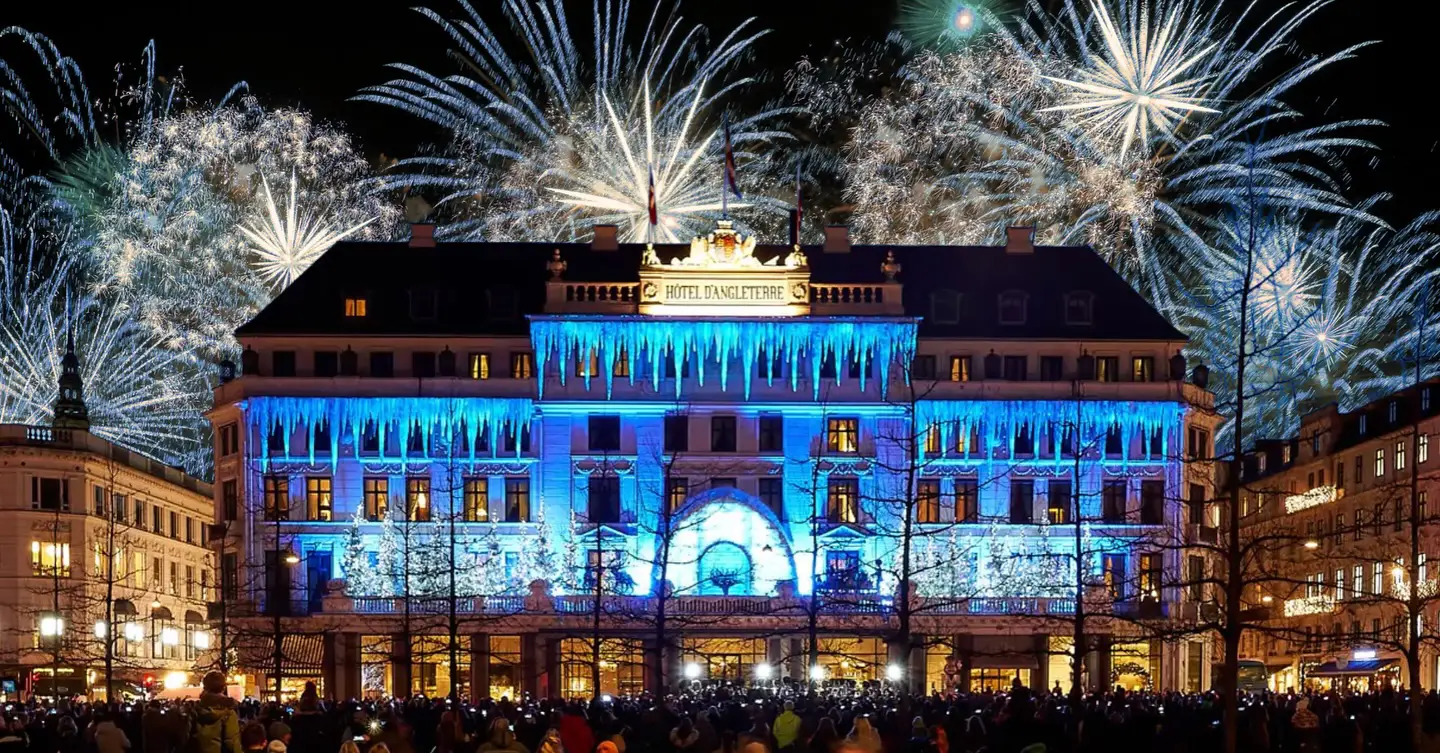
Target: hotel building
column 451, row 467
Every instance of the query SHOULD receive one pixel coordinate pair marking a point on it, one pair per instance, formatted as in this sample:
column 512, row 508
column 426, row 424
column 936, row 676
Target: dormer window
column 1012, row 307
column 945, row 307
column 503, row 305
column 1394, row 411
column 1363, row 422
column 355, row 308
column 422, row 304
column 1079, row 308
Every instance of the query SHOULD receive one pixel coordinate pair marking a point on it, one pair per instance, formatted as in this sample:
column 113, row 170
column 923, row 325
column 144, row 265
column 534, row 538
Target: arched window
column 1012, row 307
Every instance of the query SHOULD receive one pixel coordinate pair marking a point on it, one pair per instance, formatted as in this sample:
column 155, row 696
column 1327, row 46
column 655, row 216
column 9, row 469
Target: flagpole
column 724, row 192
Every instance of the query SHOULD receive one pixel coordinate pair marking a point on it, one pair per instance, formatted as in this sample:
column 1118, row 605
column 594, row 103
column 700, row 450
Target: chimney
column 837, row 239
column 422, row 235
column 1020, row 240
column 605, row 238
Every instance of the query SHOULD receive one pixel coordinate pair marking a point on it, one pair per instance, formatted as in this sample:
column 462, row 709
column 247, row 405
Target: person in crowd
column 214, row 721
column 786, row 728
column 502, row 739
column 863, row 736
column 684, row 737
column 253, row 738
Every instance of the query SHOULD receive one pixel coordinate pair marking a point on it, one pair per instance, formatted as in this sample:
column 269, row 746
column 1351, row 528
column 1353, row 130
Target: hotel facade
column 503, row 468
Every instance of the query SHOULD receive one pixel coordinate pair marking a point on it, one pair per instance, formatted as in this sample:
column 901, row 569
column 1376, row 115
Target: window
column 587, row 364
column 722, row 482
column 1113, row 566
column 517, row 499
column 327, row 363
column 277, row 499
column 967, row 500
column 1022, row 501
column 1016, row 368
column 842, row 568
column 511, row 437
column 842, row 435
column 355, row 307
column 1052, row 368
column 1151, row 570
column 229, row 439
column 772, row 433
column 189, row 581
column 98, row 492
column 1142, row 369
column 1394, row 411
column 843, row 500
column 1112, row 501
column 139, row 513
column 772, row 494
column 604, row 501
column 50, row 559
column 945, row 307
column 677, row 490
column 1422, row 504
column 522, row 365
column 479, row 366
column 1422, row 448
column 1107, row 368
column 927, row 501
column 1364, row 421
column 1377, row 519
column 415, row 440
column 204, row 584
column 1357, row 582
column 722, row 433
column 476, row 499
column 1199, row 445
column 1057, row 498
column 377, row 497
column 422, row 365
column 1425, row 400
column 1113, row 441
column 677, row 433
column 422, row 304
column 49, row 494
column 417, row 499
column 1377, row 579
column 382, row 365
column 1197, row 504
column 1079, row 308
column 189, row 530
column 1340, row 474
column 283, row 363
column 959, row 368
column 1379, row 462
column 604, row 433
column 157, row 577
column 1012, row 307
column 157, row 515
column 174, row 589
column 317, row 498
column 1359, row 469
column 1152, row 503
column 923, row 367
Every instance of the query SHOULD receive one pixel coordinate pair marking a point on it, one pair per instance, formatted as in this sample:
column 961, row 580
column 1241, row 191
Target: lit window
column 417, row 498
column 277, row 498
column 677, row 490
column 587, row 365
column 1400, row 455
column 932, row 440
column 354, row 307
column 377, row 497
column 927, row 497
column 50, row 559
column 522, row 365
column 1380, row 462
column 1142, row 369
column 959, row 368
column 477, row 499
column 1107, row 369
column 843, row 435
column 318, row 497
column 843, row 500
column 479, row 366
column 1422, row 448
column 517, row 500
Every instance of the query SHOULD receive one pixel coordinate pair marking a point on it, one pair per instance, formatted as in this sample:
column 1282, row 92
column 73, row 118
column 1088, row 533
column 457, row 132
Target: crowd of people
column 727, row 720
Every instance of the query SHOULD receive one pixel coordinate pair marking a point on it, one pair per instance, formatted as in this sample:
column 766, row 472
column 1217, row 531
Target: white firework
column 287, row 246
column 1139, row 81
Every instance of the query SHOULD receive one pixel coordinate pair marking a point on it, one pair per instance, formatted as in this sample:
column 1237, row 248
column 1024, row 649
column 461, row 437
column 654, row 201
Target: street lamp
column 291, row 558
column 763, row 672
column 817, row 673
column 893, row 673
column 692, row 671
column 1312, row 544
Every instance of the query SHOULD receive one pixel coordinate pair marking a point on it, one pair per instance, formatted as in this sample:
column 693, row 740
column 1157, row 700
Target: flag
column 795, row 226
column 654, row 214
column 730, row 180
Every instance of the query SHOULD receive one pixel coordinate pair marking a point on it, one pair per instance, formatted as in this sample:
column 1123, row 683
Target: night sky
column 316, row 53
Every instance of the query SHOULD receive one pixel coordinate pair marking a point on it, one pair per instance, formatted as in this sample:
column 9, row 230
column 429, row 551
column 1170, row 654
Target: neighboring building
column 773, row 428
column 74, row 502
column 1336, row 505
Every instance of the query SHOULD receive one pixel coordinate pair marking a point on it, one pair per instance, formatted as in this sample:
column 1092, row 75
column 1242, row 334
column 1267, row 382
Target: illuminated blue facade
column 725, row 432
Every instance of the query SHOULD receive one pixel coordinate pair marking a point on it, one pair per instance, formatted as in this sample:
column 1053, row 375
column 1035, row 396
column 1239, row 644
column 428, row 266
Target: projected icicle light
column 997, row 420
column 495, row 417
column 795, row 343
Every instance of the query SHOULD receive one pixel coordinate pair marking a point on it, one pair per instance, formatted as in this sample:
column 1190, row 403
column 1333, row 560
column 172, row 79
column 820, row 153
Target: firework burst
column 288, row 245
column 545, row 146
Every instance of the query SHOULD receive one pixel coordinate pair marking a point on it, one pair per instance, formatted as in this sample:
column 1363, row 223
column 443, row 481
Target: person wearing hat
column 279, row 734
column 215, row 723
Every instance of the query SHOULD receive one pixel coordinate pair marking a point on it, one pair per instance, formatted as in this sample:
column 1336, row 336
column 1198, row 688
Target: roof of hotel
column 490, row 288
